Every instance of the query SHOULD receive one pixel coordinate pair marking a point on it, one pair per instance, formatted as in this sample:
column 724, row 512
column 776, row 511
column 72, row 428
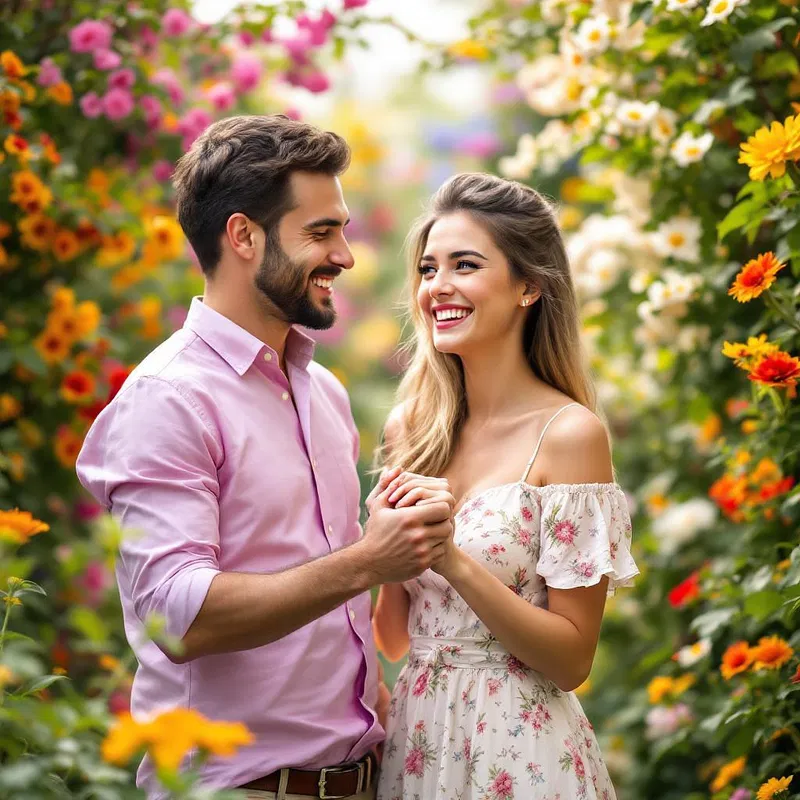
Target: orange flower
column 49, row 149
column 756, row 276
column 37, row 231
column 779, row 370
column 66, row 245
column 29, row 193
column 61, row 93
column 116, row 248
column 771, row 652
column 67, row 445
column 78, row 387
column 766, row 470
column 727, row 773
column 63, row 299
column 10, row 100
column 87, row 318
column 729, row 493
column 18, row 526
column 10, row 407
column 754, row 349
column 18, row 146
column 737, row 658
column 52, row 346
column 5, row 230
column 12, row 65
column 773, row 787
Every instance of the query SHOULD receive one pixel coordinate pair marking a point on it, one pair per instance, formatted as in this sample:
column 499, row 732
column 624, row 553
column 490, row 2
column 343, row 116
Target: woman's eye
column 467, row 264
column 424, row 269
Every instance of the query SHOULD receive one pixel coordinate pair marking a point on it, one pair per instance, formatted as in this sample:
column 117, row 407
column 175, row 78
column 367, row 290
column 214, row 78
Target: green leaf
column 38, row 685
column 89, row 624
column 761, row 604
column 707, row 623
column 778, row 64
column 739, row 216
column 741, row 743
column 742, row 52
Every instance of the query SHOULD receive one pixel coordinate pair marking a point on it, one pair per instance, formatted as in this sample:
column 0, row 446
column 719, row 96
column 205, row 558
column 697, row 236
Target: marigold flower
column 18, row 526
column 780, row 370
column 727, row 773
column 78, row 387
column 65, row 245
column 766, row 470
column 12, row 64
column 18, row 146
column 10, row 407
column 87, row 318
column 37, row 231
column 737, row 658
column 52, row 346
column 769, row 148
column 773, row 787
column 29, row 193
column 771, row 652
column 658, row 688
column 116, row 248
column 743, row 354
column 729, row 493
column 67, row 446
column 755, row 277
column 61, row 93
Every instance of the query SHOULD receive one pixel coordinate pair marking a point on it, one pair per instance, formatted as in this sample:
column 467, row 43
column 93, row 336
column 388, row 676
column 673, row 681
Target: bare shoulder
column 576, row 449
column 394, row 425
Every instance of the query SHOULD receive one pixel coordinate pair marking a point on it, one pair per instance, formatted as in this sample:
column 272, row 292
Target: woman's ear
column 530, row 295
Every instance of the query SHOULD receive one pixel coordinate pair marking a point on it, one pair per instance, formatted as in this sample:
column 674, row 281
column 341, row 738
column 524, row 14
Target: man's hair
column 243, row 164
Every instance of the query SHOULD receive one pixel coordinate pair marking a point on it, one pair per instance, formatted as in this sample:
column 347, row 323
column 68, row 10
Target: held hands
column 411, row 519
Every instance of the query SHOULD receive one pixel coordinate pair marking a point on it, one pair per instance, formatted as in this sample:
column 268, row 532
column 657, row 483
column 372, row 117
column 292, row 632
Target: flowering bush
column 670, row 131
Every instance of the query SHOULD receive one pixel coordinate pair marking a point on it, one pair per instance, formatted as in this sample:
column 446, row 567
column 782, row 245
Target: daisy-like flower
column 719, row 10
column 593, row 35
column 682, row 5
column 755, row 277
column 636, row 115
column 737, row 658
column 727, row 773
column 779, row 370
column 664, row 125
column 769, row 148
column 771, row 652
column 688, row 656
column 679, row 238
column 688, row 148
column 773, row 787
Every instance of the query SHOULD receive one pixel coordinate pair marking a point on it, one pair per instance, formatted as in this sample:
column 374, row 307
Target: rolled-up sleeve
column 151, row 459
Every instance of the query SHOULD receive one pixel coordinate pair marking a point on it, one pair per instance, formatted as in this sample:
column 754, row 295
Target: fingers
column 387, row 476
column 406, row 482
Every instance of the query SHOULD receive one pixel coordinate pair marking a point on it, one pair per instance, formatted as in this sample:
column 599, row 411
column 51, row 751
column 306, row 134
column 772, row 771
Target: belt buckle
column 323, row 795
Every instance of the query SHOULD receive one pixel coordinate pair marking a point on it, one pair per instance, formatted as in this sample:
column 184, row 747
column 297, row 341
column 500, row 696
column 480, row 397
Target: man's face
column 307, row 252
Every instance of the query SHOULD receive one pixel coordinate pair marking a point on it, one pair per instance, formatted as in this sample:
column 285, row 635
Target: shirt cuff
column 186, row 596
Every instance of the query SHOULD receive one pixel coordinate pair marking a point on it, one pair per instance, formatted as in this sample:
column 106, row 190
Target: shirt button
column 330, row 528
column 314, row 463
column 352, row 615
column 267, row 356
column 285, row 396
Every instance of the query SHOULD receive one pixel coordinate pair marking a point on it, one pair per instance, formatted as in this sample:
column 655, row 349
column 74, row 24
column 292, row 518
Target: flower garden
column 668, row 132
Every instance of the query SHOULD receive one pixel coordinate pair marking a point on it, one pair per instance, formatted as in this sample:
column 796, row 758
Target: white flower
column 593, row 35
column 688, row 656
column 719, row 10
column 635, row 114
column 522, row 163
column 687, row 149
column 549, row 88
column 682, row 522
column 692, row 337
column 664, row 720
column 679, row 238
column 682, row 5
column 664, row 125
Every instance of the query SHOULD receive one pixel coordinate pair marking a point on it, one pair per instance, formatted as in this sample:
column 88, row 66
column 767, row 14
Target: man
column 231, row 455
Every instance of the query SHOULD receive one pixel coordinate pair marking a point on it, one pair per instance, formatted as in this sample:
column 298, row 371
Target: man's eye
column 319, row 234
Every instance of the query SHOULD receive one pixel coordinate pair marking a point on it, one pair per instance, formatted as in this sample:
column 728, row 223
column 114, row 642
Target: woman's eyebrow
column 457, row 254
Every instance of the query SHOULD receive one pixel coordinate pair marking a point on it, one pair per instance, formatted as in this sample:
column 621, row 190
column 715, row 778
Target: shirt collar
column 239, row 347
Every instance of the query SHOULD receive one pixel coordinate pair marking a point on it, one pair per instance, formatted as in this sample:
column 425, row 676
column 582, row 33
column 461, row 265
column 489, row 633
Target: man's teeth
column 452, row 313
column 324, row 283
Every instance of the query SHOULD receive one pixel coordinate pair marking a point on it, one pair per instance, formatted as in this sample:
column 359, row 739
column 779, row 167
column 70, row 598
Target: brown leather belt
column 329, row 783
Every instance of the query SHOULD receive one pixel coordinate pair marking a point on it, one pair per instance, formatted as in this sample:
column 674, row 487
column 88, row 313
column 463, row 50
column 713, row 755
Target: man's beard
column 285, row 284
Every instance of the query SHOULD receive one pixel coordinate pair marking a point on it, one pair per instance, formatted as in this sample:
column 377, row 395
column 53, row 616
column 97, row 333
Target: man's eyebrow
column 457, row 254
column 326, row 222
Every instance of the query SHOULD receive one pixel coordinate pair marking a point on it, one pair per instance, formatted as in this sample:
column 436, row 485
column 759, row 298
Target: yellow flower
column 659, row 688
column 766, row 471
column 65, row 245
column 52, row 346
column 87, row 318
column 757, row 347
column 37, row 231
column 741, row 457
column 469, row 49
column 29, row 192
column 771, row 652
column 773, row 787
column 749, row 426
column 165, row 239
column 680, row 685
column 18, row 526
column 12, row 601
column 10, row 407
column 109, row 663
column 63, row 299
column 116, row 248
column 727, row 773
column 61, row 93
column 17, row 146
column 6, row 676
column 769, row 148
column 755, row 277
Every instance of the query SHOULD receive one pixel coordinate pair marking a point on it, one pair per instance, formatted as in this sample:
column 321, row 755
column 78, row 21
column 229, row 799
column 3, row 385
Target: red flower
column 415, row 762
column 779, row 369
column 796, row 677
column 421, row 685
column 686, row 591
column 503, row 785
column 117, row 377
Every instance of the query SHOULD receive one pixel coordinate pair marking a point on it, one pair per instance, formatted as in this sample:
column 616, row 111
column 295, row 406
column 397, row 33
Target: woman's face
column 466, row 292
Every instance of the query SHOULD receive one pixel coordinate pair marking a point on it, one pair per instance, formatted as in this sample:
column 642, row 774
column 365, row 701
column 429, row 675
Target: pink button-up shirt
column 210, row 467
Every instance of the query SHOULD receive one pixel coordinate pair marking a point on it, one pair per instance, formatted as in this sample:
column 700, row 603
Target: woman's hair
column 432, row 401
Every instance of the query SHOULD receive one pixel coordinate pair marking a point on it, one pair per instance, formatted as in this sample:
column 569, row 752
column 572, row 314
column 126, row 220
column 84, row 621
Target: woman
column 504, row 626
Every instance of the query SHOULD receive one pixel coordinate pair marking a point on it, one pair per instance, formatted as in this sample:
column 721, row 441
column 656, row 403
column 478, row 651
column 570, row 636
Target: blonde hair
column 432, row 396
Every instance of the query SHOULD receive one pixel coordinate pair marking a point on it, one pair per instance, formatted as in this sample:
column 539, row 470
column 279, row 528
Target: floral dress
column 468, row 720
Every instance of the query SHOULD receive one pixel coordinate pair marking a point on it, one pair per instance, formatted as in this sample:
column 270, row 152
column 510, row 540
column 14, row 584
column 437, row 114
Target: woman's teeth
column 451, row 313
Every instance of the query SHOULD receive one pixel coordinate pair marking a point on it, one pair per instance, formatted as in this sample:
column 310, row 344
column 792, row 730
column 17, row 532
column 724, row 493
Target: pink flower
column 415, row 762
column 419, row 726
column 167, row 79
column 151, row 106
column 192, row 124
column 87, row 510
column 175, row 22
column 122, row 79
column 420, row 685
column 247, row 38
column 503, row 785
column 316, row 82
column 496, row 549
column 467, row 748
column 317, row 29
column 580, row 770
column 527, row 514
column 95, row 580
column 148, row 38
column 107, row 59
column 246, row 72
column 119, row 702
column 480, row 727
column 162, row 170
column 297, row 48
column 493, row 685
column 565, row 531
column 222, row 96
column 90, row 35
column 266, row 36
column 91, row 105
column 118, row 103
column 49, row 73
column 348, row 4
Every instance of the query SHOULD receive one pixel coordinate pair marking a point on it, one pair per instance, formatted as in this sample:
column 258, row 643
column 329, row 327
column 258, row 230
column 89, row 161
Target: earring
column 526, row 302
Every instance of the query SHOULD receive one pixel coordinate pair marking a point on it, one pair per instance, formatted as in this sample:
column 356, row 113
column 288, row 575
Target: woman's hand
column 409, row 489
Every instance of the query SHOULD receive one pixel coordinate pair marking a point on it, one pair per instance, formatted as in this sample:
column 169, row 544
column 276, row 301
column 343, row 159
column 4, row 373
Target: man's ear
column 242, row 235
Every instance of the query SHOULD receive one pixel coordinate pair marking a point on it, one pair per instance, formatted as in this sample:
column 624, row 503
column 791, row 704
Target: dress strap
column 541, row 438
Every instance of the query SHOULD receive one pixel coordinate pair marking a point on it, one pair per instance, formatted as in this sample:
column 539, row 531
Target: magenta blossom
column 151, row 106
column 148, row 38
column 192, row 124
column 95, row 581
column 741, row 794
column 317, row 29
column 118, row 103
column 316, row 82
column 266, row 36
column 297, row 47
column 246, row 72
column 222, row 96
column 87, row 510
column 348, row 4
column 49, row 73
column 176, row 22
column 247, row 38
column 90, row 35
column 162, row 170
column 107, row 59
column 122, row 79
column 167, row 79
column 293, row 113
column 91, row 105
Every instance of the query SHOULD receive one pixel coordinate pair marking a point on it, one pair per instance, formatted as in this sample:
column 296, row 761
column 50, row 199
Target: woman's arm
column 559, row 641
